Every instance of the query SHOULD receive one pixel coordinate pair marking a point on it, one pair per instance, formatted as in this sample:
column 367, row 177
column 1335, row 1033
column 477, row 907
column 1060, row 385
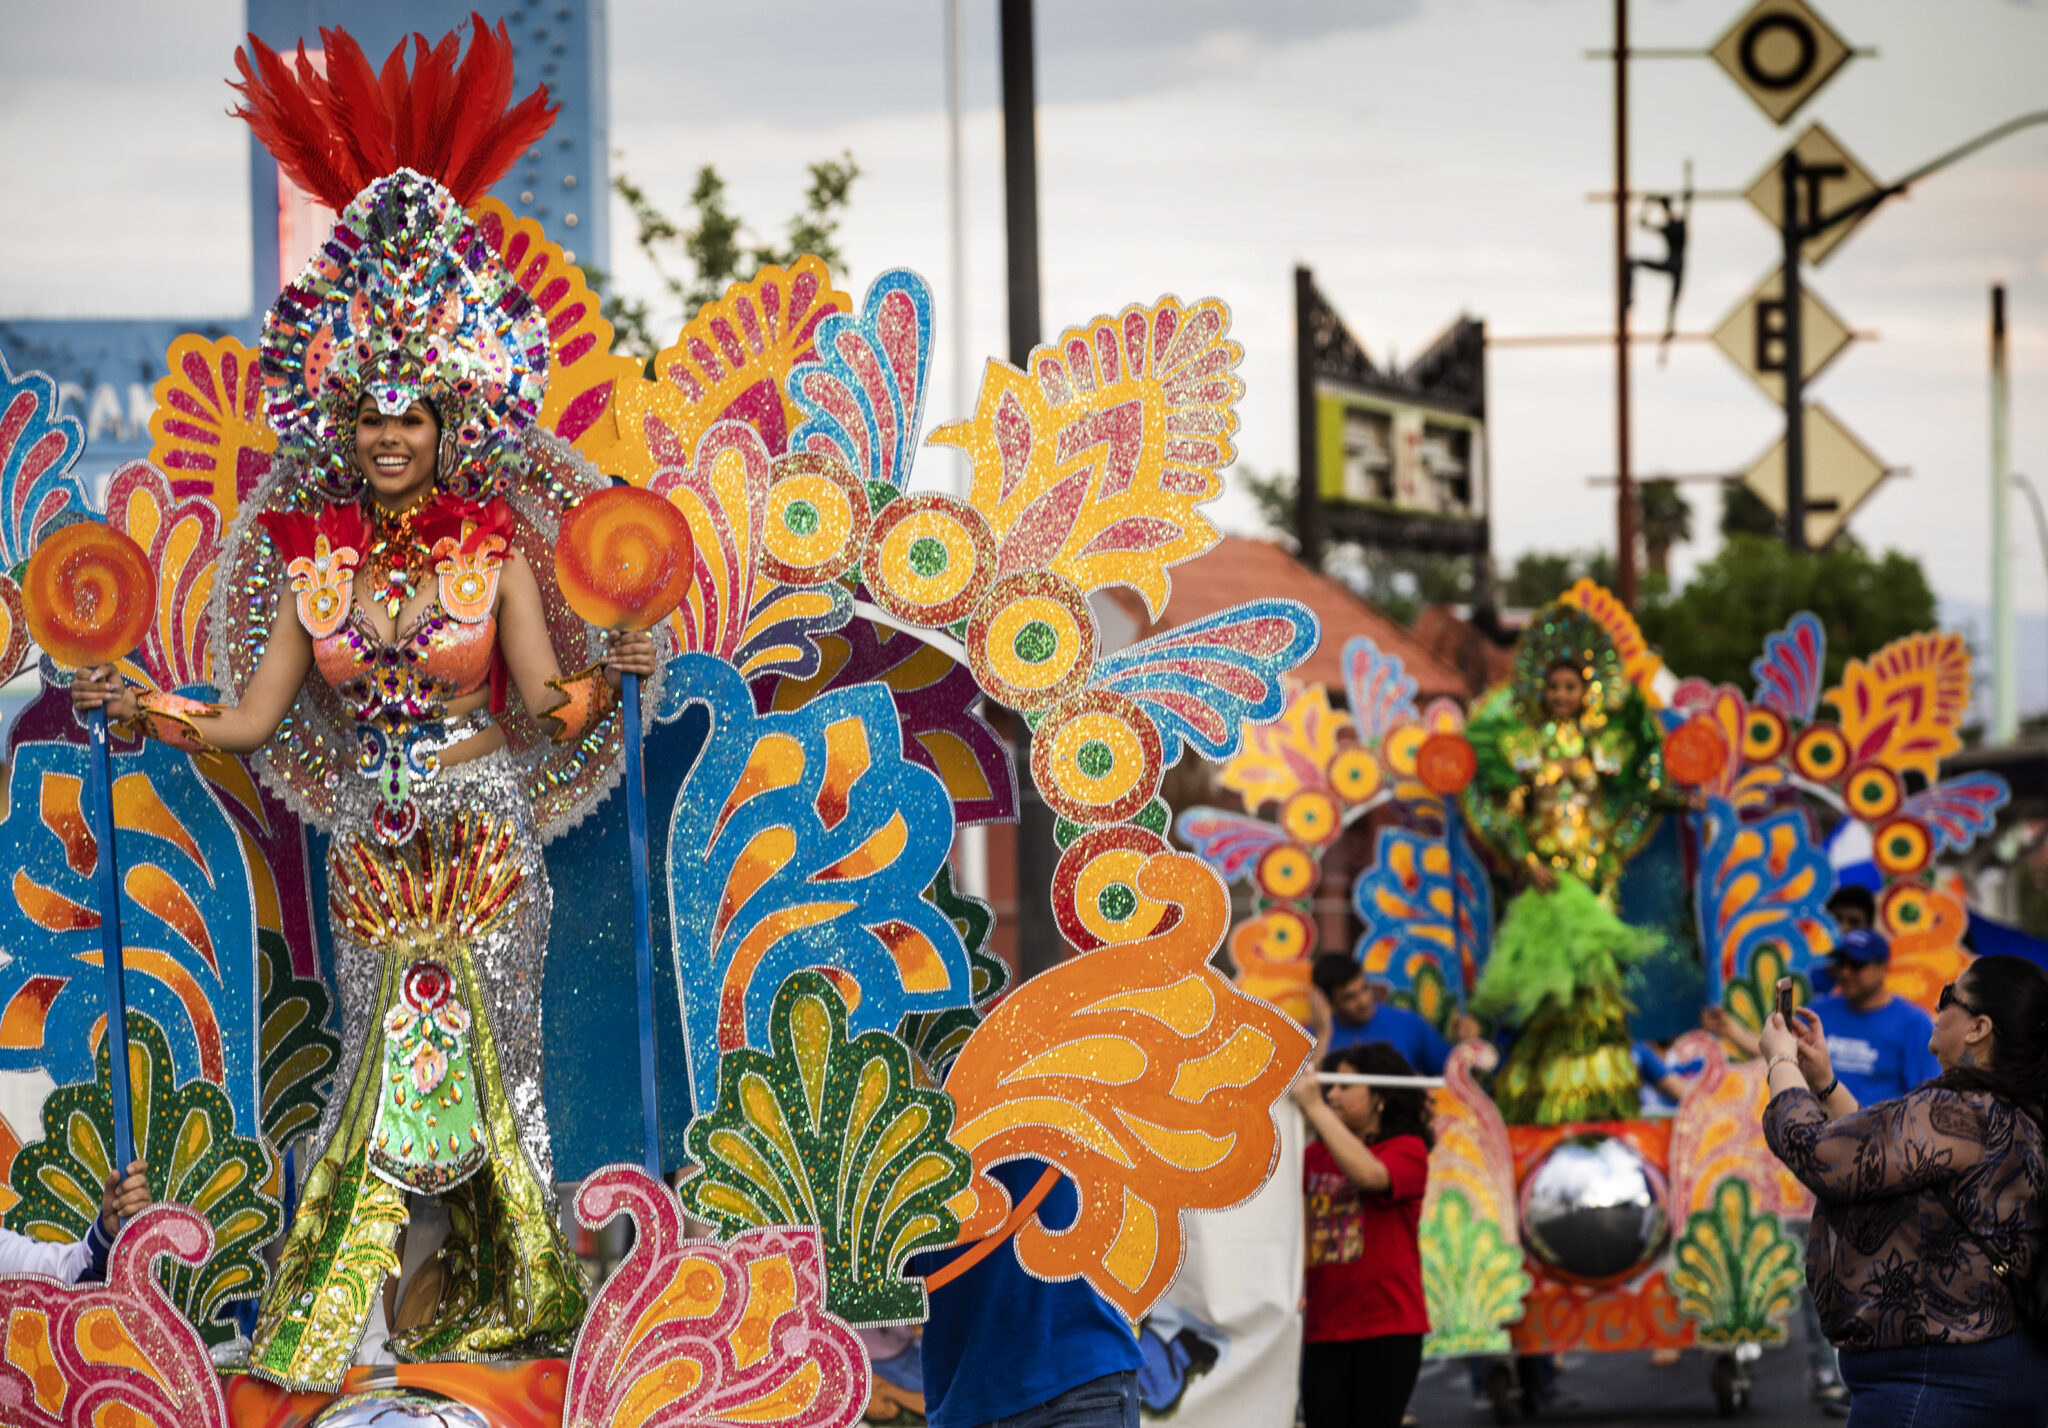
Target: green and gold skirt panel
column 438, row 947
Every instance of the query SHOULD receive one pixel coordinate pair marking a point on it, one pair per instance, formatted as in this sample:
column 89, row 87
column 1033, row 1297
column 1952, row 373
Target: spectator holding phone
column 1929, row 1333
column 81, row 1261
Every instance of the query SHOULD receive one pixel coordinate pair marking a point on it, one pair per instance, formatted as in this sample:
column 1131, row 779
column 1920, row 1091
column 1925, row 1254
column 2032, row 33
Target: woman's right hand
column 1777, row 1039
column 103, row 687
column 1542, row 876
column 1814, row 1063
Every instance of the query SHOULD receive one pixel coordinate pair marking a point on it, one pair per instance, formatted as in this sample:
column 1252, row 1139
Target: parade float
column 317, row 986
column 1545, row 1229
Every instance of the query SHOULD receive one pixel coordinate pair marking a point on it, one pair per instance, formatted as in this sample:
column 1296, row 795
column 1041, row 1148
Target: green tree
column 1716, row 626
column 1666, row 520
column 1275, row 494
column 1743, row 512
column 695, row 262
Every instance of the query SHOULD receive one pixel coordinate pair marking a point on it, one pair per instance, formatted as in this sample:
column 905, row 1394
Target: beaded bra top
column 398, row 690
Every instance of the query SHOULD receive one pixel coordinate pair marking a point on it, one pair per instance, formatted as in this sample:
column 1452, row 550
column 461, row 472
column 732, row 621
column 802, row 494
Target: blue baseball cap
column 1861, row 948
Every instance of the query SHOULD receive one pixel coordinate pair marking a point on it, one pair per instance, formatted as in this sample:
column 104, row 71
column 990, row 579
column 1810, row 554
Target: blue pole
column 110, row 939
column 643, row 930
column 1457, row 967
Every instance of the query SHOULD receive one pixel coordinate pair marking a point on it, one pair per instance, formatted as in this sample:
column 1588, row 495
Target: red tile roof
column 1242, row 569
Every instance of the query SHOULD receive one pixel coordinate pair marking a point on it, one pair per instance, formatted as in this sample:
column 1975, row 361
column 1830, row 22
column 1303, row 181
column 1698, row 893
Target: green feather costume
column 1576, row 796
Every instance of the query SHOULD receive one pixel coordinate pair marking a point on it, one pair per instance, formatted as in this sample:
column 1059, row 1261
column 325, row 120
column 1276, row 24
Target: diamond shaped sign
column 1781, row 53
column 1753, row 335
column 1830, row 181
column 1841, row 473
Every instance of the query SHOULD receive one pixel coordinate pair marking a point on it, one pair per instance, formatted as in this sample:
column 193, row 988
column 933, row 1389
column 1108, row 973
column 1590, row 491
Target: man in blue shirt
column 1877, row 1041
column 1356, row 1015
column 1003, row 1345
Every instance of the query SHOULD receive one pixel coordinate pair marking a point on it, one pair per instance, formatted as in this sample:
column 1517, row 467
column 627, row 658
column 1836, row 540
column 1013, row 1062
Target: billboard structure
column 1391, row 459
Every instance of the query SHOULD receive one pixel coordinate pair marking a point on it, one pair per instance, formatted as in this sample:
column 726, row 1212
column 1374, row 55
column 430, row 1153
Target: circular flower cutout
column 1355, row 774
column 1873, row 792
column 1902, row 847
column 1764, row 735
column 1286, row 873
column 1820, row 753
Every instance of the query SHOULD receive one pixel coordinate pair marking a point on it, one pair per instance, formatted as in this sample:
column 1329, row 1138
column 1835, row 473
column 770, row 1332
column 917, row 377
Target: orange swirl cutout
column 90, row 594
column 624, row 558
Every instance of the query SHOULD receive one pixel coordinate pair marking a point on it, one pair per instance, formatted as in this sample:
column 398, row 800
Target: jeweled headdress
column 1560, row 633
column 404, row 302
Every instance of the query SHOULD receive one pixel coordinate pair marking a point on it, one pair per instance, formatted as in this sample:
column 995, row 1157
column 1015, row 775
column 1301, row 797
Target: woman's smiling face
column 396, row 454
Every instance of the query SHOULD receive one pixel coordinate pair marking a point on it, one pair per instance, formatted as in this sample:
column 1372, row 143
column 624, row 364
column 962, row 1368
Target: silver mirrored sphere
column 398, row 1408
column 1594, row 1208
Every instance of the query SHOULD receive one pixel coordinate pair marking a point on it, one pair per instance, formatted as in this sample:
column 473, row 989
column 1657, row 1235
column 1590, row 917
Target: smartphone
column 1785, row 1000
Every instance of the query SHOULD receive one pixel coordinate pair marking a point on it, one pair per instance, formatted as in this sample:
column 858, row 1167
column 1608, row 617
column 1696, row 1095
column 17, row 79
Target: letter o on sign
column 1762, row 48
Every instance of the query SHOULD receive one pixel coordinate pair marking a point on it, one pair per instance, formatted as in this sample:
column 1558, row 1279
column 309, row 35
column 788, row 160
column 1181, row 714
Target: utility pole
column 970, row 844
column 2005, row 689
column 1308, row 503
column 1793, row 296
column 1039, row 944
column 1625, row 494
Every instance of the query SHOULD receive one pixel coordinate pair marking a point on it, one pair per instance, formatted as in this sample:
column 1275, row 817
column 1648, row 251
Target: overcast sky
column 1426, row 157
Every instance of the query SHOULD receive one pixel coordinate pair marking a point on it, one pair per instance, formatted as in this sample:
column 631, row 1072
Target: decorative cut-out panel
column 1142, row 1073
column 695, row 1331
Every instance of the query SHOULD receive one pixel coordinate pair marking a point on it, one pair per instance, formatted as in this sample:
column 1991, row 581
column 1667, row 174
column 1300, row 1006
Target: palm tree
column 1665, row 519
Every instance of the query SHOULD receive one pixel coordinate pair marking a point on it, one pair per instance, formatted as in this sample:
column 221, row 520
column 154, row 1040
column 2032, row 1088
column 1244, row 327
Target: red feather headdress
column 339, row 133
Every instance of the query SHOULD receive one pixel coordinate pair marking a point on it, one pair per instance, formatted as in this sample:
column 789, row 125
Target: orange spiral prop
column 90, row 594
column 624, row 558
column 1695, row 752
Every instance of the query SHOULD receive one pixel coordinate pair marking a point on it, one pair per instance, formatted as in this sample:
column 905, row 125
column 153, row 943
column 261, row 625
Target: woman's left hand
column 1777, row 1039
column 632, row 652
column 1307, row 1090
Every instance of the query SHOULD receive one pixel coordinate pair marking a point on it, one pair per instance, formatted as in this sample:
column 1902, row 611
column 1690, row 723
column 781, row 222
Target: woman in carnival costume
column 1570, row 766
column 387, row 624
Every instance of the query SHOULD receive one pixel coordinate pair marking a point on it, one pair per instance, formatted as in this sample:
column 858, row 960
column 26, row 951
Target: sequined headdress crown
column 404, row 302
column 1561, row 634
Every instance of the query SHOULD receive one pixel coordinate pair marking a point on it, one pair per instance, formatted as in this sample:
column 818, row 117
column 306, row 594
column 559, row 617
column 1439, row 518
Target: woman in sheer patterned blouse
column 1929, row 1333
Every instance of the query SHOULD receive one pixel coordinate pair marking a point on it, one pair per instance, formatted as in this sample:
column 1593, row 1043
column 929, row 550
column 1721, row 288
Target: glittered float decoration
column 112, row 1353
column 690, row 1332
column 800, row 840
column 935, row 704
column 1145, row 1075
column 1091, row 462
column 1472, row 1275
column 189, row 920
column 37, row 449
column 832, row 1133
column 1904, row 707
column 186, row 1131
column 584, row 374
column 732, row 361
column 207, row 431
column 180, row 536
column 863, row 399
column 1788, row 673
column 935, row 1038
column 1761, row 884
column 1427, row 912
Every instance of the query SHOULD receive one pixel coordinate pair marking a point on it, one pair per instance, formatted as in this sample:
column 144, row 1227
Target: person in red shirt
column 1363, row 1179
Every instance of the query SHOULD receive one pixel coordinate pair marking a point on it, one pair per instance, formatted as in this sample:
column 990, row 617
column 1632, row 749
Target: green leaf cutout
column 1736, row 1271
column 187, row 1135
column 1472, row 1280
column 836, row 1134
